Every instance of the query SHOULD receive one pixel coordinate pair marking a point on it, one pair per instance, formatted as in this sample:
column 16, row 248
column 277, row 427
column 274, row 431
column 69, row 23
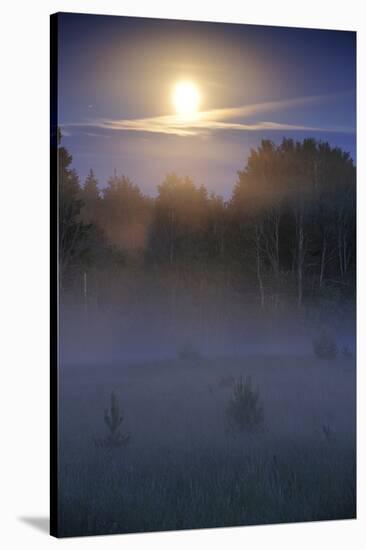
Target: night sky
column 116, row 76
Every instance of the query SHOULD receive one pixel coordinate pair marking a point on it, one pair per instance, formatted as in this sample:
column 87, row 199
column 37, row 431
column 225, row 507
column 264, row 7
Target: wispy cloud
column 205, row 122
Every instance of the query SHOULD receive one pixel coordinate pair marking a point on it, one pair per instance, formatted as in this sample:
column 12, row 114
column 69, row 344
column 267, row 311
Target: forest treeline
column 287, row 235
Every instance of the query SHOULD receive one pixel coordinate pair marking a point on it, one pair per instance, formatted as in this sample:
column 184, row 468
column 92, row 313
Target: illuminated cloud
column 205, row 122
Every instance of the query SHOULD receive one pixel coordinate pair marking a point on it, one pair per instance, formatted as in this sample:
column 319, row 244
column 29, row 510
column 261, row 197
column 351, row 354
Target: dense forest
column 285, row 238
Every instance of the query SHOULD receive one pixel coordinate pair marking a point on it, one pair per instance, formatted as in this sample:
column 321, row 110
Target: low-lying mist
column 174, row 460
column 147, row 327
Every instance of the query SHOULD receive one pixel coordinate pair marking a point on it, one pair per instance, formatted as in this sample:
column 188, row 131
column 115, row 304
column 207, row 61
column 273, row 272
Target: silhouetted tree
column 126, row 215
column 73, row 232
column 181, row 218
column 91, row 198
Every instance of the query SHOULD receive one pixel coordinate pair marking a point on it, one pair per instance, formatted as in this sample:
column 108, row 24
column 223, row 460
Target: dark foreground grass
column 183, row 468
column 121, row 493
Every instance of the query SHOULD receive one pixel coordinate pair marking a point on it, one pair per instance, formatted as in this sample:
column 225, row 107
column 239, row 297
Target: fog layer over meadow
column 147, row 331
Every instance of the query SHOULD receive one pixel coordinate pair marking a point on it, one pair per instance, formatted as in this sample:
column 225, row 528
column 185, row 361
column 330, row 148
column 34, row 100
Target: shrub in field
column 324, row 345
column 244, row 412
column 113, row 419
column 189, row 351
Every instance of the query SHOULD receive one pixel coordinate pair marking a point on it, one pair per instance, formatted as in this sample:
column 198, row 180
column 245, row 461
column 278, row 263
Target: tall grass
column 244, row 412
column 207, row 490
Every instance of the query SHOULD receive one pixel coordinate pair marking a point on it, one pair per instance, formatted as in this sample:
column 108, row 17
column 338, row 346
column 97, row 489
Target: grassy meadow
column 183, row 468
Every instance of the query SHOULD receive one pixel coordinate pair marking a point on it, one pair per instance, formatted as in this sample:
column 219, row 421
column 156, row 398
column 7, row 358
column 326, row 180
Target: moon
column 186, row 99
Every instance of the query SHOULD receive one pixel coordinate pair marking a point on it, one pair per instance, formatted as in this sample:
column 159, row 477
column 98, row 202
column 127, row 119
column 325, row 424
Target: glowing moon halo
column 186, row 99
